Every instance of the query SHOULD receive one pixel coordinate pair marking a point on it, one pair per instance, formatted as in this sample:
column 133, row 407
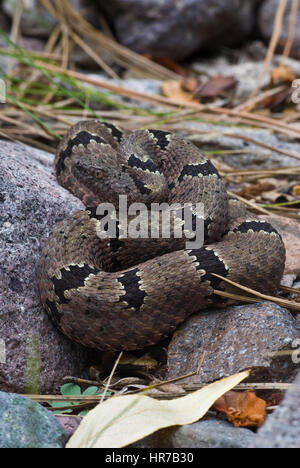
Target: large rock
column 26, row 424
column 31, row 202
column 282, row 428
column 171, row 29
column 266, row 22
column 233, row 340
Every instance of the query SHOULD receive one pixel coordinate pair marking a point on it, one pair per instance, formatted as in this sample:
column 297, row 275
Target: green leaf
column 70, row 390
column 90, row 391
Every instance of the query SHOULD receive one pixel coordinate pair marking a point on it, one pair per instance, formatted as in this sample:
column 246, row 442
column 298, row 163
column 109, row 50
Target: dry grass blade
column 238, row 137
column 151, row 98
column 259, row 120
column 282, row 302
column 120, row 54
column 250, row 386
column 235, row 297
column 111, row 376
column 251, row 103
column 291, row 290
column 95, row 399
column 15, row 29
column 248, row 203
column 96, row 57
column 271, row 50
column 291, row 31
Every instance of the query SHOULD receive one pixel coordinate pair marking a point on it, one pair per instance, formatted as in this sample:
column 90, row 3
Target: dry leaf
column 277, row 102
column 173, row 89
column 296, row 190
column 217, row 86
column 122, row 420
column 253, row 190
column 242, row 408
column 190, row 85
column 171, row 388
column 145, row 362
column 282, row 73
column 167, row 63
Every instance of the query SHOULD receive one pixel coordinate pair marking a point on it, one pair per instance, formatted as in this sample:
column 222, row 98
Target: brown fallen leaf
column 190, row 85
column 282, row 74
column 173, row 89
column 167, row 63
column 243, row 409
column 277, row 102
column 296, row 190
column 218, row 86
column 147, row 361
column 253, row 190
column 274, row 399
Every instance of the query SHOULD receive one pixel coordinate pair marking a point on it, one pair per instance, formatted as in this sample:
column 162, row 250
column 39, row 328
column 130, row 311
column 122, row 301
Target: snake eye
column 97, row 172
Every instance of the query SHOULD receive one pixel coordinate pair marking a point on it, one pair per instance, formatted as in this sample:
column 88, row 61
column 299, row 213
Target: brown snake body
column 121, row 294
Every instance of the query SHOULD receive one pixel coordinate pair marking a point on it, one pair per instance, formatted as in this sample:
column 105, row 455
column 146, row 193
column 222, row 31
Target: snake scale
column 125, row 294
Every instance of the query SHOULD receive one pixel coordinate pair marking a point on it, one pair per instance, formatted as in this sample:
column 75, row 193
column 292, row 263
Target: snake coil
column 123, row 294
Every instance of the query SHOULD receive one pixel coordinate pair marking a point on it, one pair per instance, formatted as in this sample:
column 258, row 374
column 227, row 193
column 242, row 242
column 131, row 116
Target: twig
column 188, row 389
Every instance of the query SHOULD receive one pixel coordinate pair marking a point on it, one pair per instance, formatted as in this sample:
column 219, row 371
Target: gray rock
column 171, row 29
column 218, row 137
column 282, row 428
column 34, row 44
column 235, row 339
column 141, row 85
column 37, row 356
column 213, row 433
column 266, row 23
column 36, row 20
column 26, row 424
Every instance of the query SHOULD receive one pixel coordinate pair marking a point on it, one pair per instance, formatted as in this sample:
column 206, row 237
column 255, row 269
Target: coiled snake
column 123, row 294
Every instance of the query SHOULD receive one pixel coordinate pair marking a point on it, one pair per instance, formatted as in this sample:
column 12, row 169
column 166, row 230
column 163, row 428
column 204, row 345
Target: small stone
column 26, row 424
column 288, row 280
column 69, row 423
column 235, row 339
